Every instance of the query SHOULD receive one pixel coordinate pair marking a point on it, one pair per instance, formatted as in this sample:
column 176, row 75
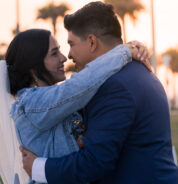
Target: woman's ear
column 92, row 42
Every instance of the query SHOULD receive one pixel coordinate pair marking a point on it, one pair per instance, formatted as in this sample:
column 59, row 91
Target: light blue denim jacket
column 43, row 115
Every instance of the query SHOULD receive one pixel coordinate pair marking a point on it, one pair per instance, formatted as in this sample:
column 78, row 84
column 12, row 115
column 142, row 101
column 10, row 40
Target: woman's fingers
column 140, row 53
column 143, row 52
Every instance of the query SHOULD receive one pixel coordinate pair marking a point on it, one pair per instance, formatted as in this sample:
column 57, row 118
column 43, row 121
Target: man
column 127, row 138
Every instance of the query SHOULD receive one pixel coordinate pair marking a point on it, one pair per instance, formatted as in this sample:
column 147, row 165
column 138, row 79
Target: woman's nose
column 63, row 58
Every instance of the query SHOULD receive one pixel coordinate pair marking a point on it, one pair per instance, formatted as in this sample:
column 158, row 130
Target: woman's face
column 54, row 61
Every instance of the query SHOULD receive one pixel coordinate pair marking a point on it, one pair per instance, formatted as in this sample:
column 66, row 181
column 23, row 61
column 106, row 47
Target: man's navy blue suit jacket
column 127, row 140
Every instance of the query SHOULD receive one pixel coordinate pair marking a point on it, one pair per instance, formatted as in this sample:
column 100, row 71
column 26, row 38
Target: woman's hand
column 140, row 52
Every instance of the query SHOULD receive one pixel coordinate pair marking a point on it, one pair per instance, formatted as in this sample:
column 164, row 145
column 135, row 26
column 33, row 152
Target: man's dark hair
column 95, row 18
column 27, row 51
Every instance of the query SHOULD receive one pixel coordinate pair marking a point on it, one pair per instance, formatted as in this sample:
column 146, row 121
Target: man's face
column 79, row 51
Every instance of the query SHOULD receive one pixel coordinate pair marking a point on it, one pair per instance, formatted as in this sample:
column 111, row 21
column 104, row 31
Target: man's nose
column 69, row 55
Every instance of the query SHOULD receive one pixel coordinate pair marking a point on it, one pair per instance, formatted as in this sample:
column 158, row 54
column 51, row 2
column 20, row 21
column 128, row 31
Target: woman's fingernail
column 138, row 55
column 141, row 59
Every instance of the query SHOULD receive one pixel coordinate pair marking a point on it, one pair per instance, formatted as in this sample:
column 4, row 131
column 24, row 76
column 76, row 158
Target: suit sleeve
column 110, row 116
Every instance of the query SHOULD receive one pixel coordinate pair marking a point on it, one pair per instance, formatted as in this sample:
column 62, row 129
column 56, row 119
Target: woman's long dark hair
column 27, row 51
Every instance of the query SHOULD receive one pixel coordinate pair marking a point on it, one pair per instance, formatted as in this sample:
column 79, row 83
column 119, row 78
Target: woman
column 44, row 113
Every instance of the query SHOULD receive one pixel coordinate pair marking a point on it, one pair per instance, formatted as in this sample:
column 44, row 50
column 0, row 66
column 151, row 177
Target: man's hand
column 27, row 159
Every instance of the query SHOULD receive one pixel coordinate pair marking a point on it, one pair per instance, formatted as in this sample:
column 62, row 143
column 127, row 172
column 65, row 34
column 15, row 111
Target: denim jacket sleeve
column 45, row 107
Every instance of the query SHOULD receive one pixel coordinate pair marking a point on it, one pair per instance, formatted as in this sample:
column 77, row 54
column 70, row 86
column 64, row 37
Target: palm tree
column 173, row 54
column 126, row 7
column 52, row 12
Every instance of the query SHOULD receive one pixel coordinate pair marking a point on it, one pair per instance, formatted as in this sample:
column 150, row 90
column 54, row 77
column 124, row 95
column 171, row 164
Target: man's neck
column 105, row 48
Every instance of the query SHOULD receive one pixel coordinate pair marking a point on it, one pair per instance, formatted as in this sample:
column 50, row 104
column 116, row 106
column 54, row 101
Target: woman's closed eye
column 55, row 52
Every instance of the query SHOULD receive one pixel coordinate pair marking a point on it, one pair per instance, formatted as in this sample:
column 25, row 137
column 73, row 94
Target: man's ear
column 93, row 42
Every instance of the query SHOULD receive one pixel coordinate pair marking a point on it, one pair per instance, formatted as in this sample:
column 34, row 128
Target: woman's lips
column 61, row 69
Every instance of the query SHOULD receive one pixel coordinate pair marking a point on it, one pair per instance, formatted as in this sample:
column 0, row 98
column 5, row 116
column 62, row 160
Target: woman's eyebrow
column 55, row 48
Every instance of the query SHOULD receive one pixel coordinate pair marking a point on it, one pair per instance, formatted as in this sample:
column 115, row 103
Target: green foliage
column 1, row 182
column 174, row 59
column 52, row 12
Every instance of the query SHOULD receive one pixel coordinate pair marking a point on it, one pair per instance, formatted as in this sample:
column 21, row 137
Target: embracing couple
column 121, row 132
